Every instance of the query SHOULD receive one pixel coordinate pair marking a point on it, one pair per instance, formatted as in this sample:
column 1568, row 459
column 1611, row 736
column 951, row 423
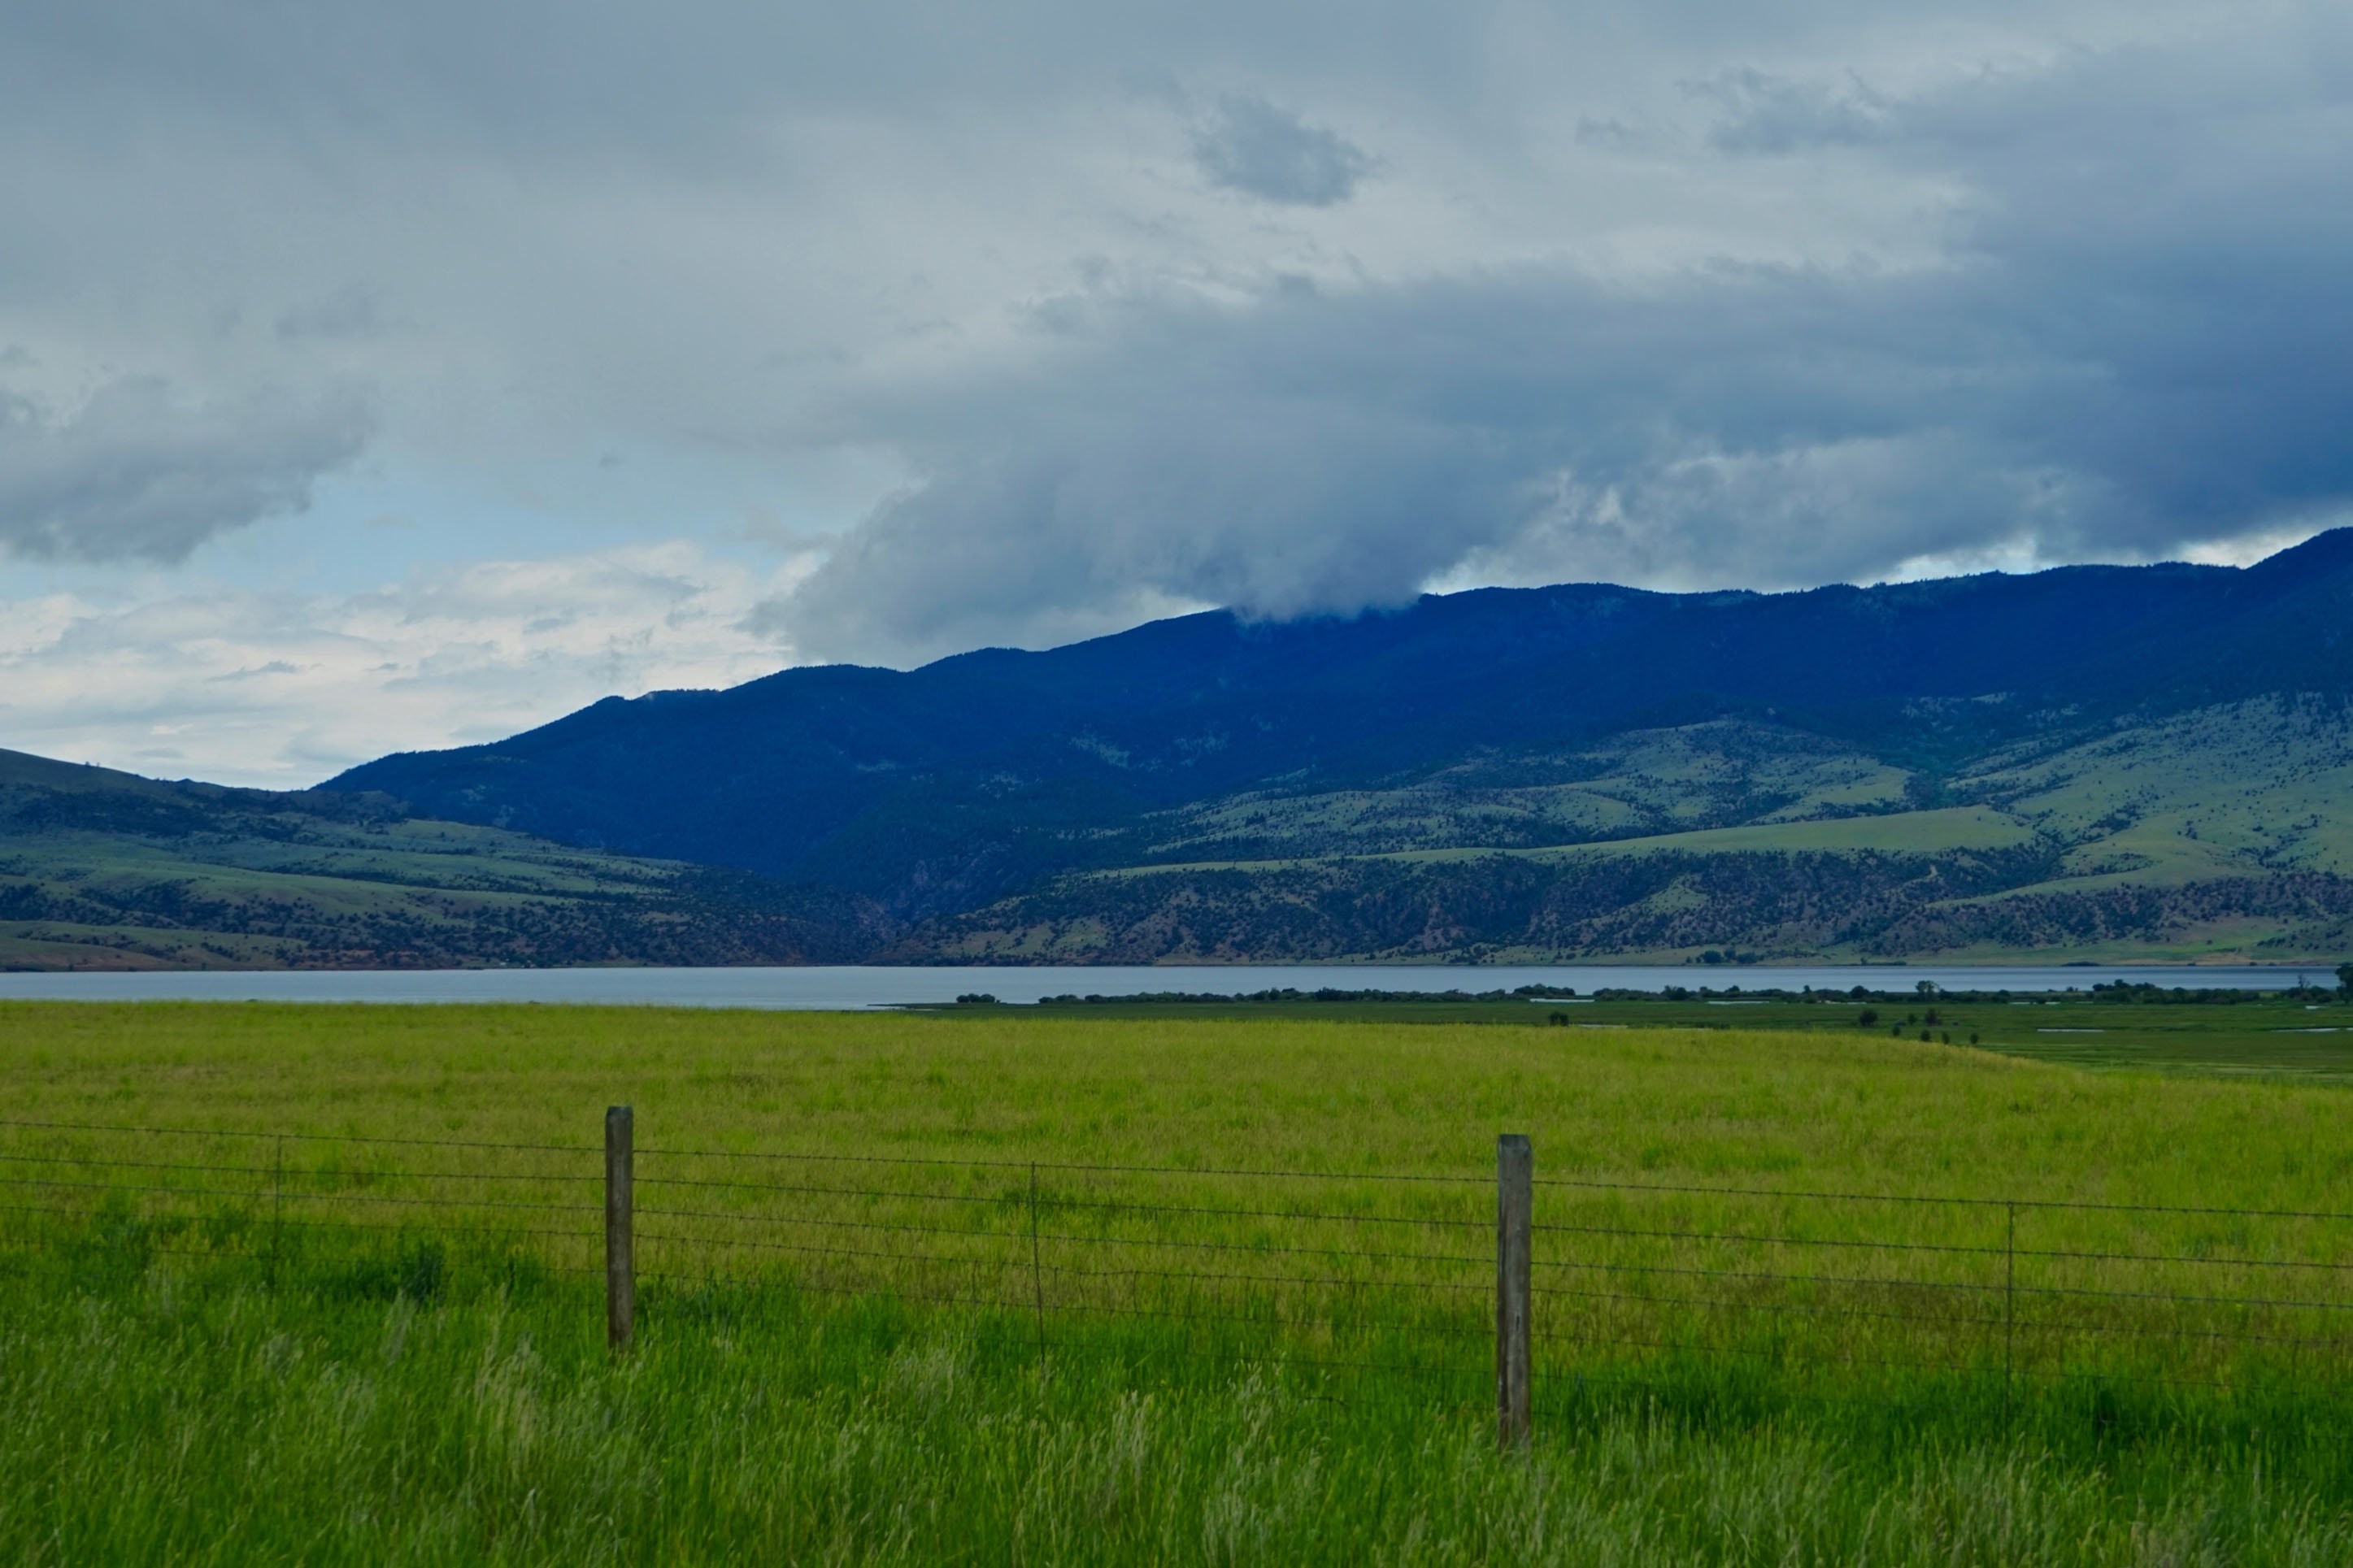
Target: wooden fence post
column 1514, row 1204
column 2009, row 1312
column 620, row 1262
column 1037, row 1272
column 277, row 1208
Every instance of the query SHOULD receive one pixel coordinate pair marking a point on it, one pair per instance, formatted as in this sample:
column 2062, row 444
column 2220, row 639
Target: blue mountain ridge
column 937, row 789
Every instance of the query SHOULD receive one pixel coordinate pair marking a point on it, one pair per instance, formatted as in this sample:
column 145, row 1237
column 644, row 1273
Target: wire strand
column 257, row 1171
column 1771, row 1240
column 1596, row 1184
column 316, row 1197
column 1016, row 1200
column 308, row 1136
column 1061, row 1166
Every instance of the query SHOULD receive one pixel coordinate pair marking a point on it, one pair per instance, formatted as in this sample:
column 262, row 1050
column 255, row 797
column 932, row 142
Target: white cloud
column 282, row 689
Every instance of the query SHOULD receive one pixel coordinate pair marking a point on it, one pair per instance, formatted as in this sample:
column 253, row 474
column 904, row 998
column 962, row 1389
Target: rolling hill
column 2224, row 832
column 106, row 870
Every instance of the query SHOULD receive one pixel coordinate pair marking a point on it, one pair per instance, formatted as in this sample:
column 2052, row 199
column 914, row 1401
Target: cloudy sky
column 407, row 374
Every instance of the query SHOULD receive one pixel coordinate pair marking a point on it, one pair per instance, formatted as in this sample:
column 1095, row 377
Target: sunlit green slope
column 2222, row 832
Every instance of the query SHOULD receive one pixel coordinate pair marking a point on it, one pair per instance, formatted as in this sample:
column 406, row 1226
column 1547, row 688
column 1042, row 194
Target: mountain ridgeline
column 2096, row 762
column 2112, row 760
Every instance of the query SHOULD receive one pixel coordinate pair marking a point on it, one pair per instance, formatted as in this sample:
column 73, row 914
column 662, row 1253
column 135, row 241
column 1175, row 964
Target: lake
column 851, row 986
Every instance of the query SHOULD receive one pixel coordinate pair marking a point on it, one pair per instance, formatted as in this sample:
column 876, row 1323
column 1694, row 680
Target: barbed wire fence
column 1523, row 1294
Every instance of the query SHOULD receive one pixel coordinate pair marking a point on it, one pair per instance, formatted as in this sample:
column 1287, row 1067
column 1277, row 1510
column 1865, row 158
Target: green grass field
column 1167, row 1364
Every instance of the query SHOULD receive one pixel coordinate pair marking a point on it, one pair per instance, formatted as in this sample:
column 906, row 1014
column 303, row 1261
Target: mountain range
column 2096, row 761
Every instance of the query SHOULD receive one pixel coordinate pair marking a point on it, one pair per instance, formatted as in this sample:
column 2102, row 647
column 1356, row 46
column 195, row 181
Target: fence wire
column 1369, row 1275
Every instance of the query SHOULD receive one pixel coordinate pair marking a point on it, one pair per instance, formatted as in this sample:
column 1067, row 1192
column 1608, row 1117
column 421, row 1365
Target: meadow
column 1001, row 1287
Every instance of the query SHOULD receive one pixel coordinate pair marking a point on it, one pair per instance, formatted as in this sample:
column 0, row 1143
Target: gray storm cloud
column 2118, row 353
column 139, row 473
column 1299, row 308
column 1250, row 145
column 1762, row 112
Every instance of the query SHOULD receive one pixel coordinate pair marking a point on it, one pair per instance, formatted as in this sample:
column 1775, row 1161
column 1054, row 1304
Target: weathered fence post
column 620, row 1262
column 1037, row 1272
column 2008, row 1313
column 277, row 1208
column 1514, row 1203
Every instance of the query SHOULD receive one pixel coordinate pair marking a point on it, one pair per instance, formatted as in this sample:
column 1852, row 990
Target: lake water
column 868, row 986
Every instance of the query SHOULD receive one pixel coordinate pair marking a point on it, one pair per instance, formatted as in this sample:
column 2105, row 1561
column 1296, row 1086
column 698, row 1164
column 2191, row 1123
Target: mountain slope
column 2120, row 762
column 2224, row 832
column 102, row 869
column 942, row 789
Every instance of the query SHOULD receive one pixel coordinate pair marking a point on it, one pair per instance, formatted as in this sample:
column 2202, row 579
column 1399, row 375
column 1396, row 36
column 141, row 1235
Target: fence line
column 1597, row 1283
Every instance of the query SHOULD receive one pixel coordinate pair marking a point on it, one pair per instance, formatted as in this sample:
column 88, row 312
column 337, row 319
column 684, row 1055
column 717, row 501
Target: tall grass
column 410, row 1415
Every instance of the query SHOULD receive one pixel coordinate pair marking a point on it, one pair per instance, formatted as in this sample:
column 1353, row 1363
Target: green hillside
column 2218, row 833
column 2255, row 784
column 1644, row 783
column 2215, row 833
column 2086, row 761
column 106, row 870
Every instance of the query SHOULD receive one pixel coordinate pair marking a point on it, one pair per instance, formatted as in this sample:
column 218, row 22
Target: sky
column 384, row 377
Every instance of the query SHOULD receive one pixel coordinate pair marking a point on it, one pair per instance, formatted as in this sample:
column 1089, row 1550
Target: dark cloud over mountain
column 926, row 328
column 2119, row 351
